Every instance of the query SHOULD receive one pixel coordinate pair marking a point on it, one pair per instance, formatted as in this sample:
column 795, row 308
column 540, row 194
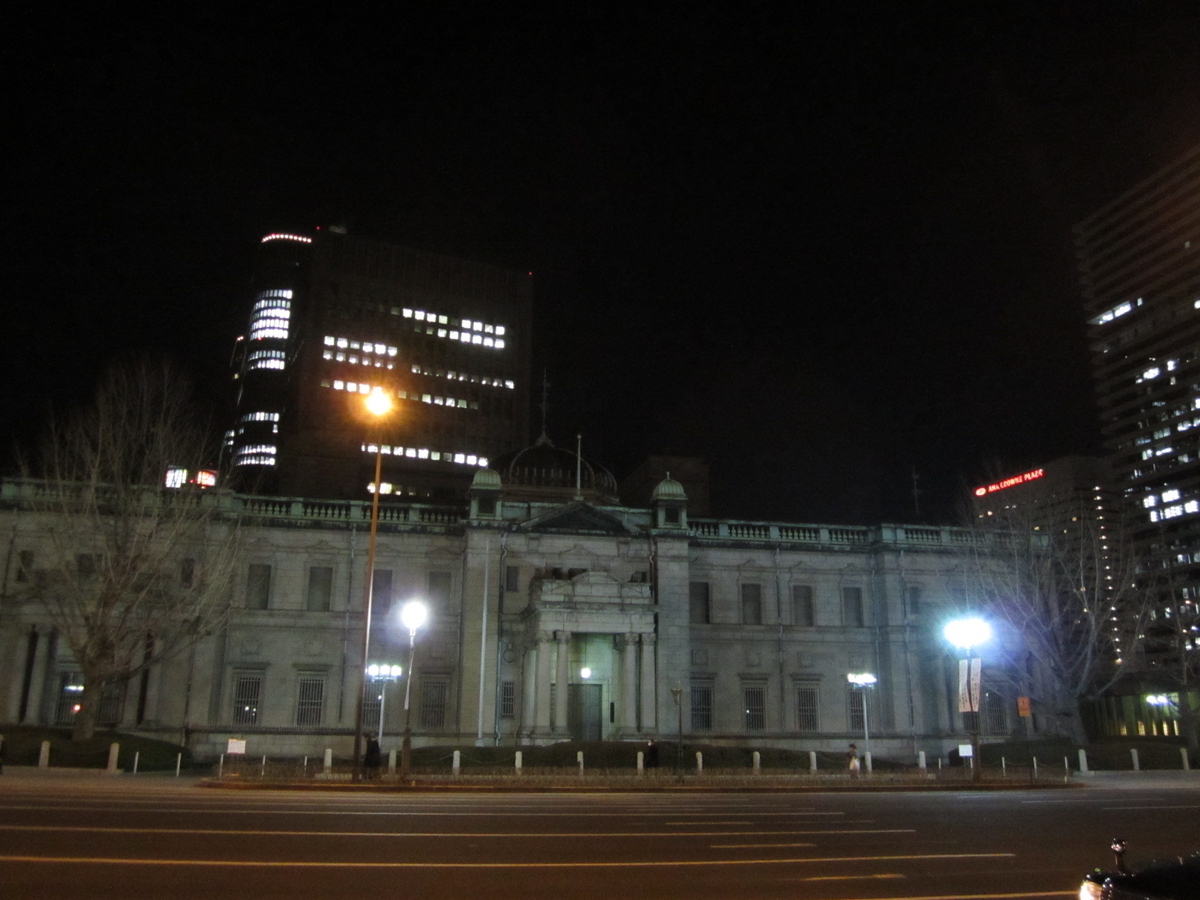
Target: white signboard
column 965, row 751
column 236, row 746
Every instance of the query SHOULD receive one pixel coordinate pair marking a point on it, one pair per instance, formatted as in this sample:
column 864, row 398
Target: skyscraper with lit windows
column 335, row 316
column 1139, row 259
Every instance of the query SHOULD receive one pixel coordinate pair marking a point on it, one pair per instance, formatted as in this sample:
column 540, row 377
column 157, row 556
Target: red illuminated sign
column 1023, row 478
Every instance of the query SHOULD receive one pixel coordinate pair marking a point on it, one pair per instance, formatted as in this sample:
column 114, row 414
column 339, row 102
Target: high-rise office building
column 333, row 317
column 1139, row 259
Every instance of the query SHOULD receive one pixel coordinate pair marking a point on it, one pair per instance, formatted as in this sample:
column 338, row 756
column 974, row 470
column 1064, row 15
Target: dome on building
column 486, row 478
column 668, row 489
column 546, row 472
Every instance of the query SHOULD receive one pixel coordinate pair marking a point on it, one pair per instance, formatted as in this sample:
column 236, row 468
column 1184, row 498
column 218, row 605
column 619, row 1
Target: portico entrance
column 585, row 712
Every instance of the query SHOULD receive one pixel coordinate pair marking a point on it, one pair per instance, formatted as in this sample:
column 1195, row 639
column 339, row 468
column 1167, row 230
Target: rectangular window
column 25, row 566
column 852, row 607
column 804, row 612
column 320, row 588
column 381, row 592
column 508, row 699
column 807, row 708
column 512, row 578
column 70, row 693
column 702, row 706
column 752, row 613
column 700, row 609
column 439, row 589
column 433, row 703
column 913, row 600
column 310, row 701
column 373, row 704
column 754, row 698
column 258, row 587
column 995, row 713
column 856, row 706
column 247, row 693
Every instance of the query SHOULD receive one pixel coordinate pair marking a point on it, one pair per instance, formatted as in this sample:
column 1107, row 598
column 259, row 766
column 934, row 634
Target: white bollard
column 1137, row 766
column 812, row 762
column 456, row 765
column 392, row 761
column 757, row 762
column 867, row 762
column 178, row 763
column 1035, row 768
column 939, row 764
column 328, row 762
column 921, row 761
column 1066, row 769
column 1083, row 765
column 1003, row 767
column 579, row 759
column 113, row 750
column 518, row 764
column 221, row 767
column 641, row 764
column 262, row 769
column 136, row 755
column 699, row 763
column 1187, row 766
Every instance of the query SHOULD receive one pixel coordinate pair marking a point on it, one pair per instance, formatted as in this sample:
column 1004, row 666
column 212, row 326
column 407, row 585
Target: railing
column 836, row 535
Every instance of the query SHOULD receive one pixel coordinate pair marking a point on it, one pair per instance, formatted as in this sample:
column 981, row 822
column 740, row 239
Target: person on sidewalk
column 852, row 761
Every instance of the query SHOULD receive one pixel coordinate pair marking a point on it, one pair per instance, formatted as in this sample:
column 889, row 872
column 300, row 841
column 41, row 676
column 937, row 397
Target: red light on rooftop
column 1023, row 478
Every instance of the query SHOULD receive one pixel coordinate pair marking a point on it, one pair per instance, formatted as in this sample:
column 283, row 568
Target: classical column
column 37, row 684
column 529, row 689
column 541, row 715
column 629, row 686
column 649, row 685
column 564, row 675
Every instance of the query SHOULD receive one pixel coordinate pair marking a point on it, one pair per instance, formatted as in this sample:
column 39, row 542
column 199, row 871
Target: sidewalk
column 1157, row 778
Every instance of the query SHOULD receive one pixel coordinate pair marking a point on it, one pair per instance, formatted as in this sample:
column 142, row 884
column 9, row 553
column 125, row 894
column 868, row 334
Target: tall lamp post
column 966, row 635
column 413, row 615
column 863, row 682
column 383, row 676
column 677, row 696
column 378, row 404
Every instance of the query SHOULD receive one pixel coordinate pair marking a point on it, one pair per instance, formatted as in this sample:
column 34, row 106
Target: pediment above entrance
column 579, row 517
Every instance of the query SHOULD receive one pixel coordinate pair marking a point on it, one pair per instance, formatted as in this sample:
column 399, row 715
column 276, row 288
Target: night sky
column 818, row 249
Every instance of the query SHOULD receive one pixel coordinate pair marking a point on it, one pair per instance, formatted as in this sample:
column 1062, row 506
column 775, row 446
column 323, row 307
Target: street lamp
column 863, row 682
column 966, row 635
column 379, row 404
column 413, row 615
column 383, row 675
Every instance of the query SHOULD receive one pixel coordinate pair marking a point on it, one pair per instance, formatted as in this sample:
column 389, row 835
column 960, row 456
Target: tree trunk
column 85, row 719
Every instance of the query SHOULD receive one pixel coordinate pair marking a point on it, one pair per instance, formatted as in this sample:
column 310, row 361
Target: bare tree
column 133, row 571
column 1061, row 577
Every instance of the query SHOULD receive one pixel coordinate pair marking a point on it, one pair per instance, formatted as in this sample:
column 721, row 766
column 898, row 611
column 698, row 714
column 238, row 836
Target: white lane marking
column 97, row 829
column 400, row 811
column 753, row 846
column 425, row 864
column 1114, row 808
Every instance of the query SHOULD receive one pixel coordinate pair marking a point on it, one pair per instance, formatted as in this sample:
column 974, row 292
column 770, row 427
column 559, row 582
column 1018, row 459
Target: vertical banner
column 969, row 679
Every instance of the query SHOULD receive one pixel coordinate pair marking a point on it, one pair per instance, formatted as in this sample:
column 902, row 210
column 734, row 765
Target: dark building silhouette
column 334, row 317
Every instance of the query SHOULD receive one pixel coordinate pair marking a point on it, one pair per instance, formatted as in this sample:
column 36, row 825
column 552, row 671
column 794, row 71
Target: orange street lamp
column 379, row 404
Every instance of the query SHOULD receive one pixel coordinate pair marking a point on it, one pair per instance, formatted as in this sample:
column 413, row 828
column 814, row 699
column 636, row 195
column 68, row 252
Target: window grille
column 433, row 704
column 754, row 697
column 508, row 699
column 247, row 690
column 807, row 709
column 372, row 704
column 310, row 701
column 702, row 706
column 856, row 701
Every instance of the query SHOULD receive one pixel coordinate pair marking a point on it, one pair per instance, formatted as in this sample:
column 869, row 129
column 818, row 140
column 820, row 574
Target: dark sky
column 818, row 249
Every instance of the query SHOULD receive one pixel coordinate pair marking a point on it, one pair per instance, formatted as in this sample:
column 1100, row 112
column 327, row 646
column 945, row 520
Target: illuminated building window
column 1169, row 496
column 270, row 316
column 266, row 359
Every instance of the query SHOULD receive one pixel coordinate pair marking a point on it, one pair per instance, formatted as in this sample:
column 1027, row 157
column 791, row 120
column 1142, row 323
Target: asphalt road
column 150, row 837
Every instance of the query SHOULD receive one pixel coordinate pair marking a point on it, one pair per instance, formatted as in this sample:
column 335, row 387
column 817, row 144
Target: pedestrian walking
column 373, row 757
column 852, row 760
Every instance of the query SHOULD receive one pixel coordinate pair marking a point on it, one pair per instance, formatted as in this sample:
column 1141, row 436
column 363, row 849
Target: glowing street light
column 379, row 404
column 863, row 682
column 383, row 675
column 413, row 614
column 967, row 634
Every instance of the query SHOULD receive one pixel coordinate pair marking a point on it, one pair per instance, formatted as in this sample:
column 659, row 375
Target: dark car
column 1177, row 878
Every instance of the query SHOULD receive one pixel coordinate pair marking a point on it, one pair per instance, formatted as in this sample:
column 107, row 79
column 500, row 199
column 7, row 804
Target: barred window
column 508, row 699
column 247, row 691
column 752, row 612
column 373, row 704
column 856, row 704
column 702, row 706
column 995, row 713
column 320, row 588
column 804, row 613
column 754, row 698
column 699, row 607
column 433, row 703
column 808, row 708
column 70, row 694
column 258, row 587
column 310, row 701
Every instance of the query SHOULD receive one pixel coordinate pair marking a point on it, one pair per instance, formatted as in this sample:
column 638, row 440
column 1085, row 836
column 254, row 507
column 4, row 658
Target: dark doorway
column 584, row 718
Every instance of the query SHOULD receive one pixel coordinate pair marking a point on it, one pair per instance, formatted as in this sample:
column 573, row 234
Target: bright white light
column 862, row 679
column 413, row 615
column 378, row 402
column 967, row 633
column 585, row 673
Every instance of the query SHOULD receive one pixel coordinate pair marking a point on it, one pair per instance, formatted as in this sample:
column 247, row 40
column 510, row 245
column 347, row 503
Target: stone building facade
column 555, row 614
